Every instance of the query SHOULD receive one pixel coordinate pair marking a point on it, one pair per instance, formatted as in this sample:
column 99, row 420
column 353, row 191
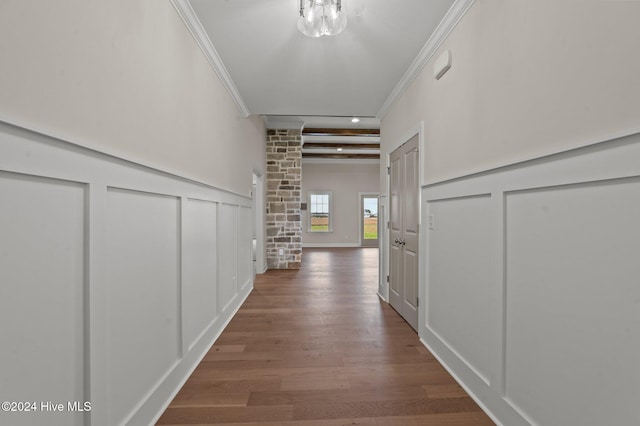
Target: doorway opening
column 369, row 220
column 258, row 251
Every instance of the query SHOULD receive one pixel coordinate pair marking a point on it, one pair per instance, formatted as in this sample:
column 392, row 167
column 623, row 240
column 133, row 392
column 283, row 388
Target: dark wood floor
column 317, row 347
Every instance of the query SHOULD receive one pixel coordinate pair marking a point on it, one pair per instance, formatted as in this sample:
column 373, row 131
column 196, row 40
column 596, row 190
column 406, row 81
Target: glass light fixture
column 321, row 18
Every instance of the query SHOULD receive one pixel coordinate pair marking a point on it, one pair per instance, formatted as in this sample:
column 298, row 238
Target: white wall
column 125, row 78
column 528, row 78
column 124, row 164
column 345, row 180
column 528, row 298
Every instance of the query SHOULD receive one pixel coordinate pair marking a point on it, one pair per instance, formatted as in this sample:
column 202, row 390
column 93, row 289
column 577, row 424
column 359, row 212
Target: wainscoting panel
column 245, row 256
column 573, row 285
column 143, row 282
column 200, row 269
column 114, row 276
column 228, row 288
column 531, row 280
column 459, row 277
column 42, row 291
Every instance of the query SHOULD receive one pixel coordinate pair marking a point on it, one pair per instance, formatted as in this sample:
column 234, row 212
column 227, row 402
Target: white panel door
column 403, row 231
column 395, row 233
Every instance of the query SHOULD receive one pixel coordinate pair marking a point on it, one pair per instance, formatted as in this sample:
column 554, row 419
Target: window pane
column 319, row 208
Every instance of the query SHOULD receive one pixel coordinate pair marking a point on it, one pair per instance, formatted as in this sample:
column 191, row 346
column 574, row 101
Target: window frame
column 329, row 208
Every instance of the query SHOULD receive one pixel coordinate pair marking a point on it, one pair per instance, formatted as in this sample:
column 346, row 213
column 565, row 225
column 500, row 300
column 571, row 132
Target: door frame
column 258, row 205
column 383, row 243
column 361, row 195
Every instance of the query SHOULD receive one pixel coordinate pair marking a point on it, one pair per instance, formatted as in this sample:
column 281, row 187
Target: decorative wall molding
column 188, row 15
column 534, row 268
column 528, row 160
column 64, row 138
column 448, row 23
column 107, row 208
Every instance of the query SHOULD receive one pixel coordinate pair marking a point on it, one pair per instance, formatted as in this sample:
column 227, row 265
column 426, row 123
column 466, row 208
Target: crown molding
column 188, row 15
column 448, row 23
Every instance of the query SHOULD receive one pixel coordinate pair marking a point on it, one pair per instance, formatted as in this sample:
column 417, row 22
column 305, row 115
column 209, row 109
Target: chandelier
column 321, row 18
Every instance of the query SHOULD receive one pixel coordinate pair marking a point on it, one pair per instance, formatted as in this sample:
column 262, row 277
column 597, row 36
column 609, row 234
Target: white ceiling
column 274, row 70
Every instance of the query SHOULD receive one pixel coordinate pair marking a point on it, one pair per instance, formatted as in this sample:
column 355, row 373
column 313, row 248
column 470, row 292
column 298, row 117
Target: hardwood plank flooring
column 316, row 347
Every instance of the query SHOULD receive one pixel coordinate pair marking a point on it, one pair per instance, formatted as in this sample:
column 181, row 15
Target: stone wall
column 284, row 175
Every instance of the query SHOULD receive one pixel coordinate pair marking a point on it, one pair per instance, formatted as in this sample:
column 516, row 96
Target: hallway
column 317, row 347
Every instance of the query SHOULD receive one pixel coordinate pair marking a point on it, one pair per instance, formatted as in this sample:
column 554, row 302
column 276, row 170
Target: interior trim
column 450, row 20
column 188, row 15
column 599, row 142
column 66, row 139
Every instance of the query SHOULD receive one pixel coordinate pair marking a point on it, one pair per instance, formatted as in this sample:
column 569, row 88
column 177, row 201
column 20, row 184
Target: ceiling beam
column 342, row 156
column 314, row 131
column 342, row 139
column 332, row 145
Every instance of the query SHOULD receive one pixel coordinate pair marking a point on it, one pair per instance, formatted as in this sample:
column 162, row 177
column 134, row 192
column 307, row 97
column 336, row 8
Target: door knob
column 397, row 241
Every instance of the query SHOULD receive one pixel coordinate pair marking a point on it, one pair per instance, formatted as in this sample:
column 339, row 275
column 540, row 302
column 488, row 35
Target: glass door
column 369, row 220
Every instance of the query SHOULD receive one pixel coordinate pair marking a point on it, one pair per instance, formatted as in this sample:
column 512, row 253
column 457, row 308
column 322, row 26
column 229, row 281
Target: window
column 319, row 211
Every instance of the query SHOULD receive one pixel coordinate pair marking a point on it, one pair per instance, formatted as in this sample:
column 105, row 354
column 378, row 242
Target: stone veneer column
column 284, row 175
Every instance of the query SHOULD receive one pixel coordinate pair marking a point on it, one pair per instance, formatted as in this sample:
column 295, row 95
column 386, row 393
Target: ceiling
column 271, row 69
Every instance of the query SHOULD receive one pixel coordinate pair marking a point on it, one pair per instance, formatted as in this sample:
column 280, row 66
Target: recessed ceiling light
column 355, row 120
column 339, row 149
